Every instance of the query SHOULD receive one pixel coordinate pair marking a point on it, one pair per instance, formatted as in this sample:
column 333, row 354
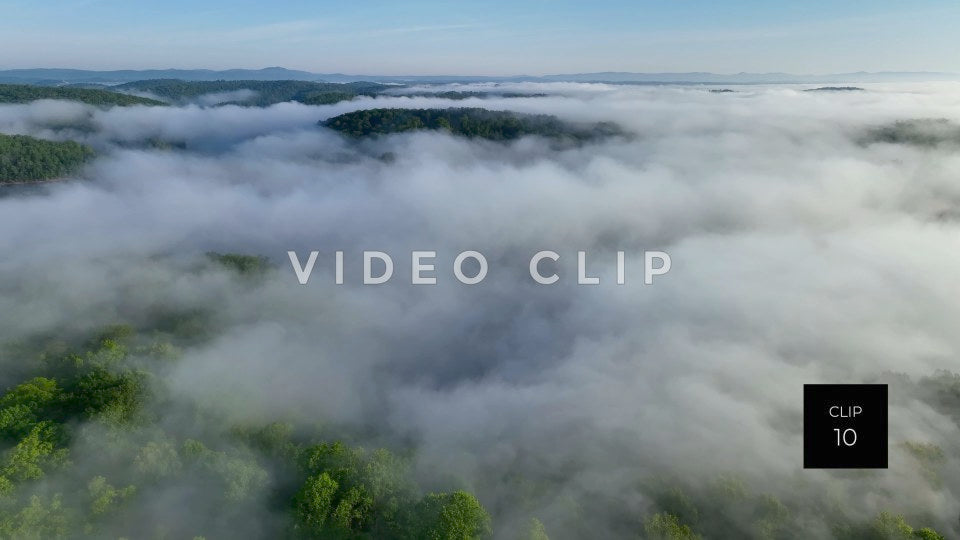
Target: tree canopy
column 467, row 122
column 920, row 132
column 459, row 95
column 93, row 442
column 108, row 382
column 262, row 93
column 835, row 89
column 26, row 159
column 25, row 93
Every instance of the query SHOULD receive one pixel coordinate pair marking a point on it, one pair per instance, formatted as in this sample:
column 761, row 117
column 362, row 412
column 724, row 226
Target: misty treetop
column 92, row 401
column 835, row 89
column 24, row 93
column 26, row 159
column 467, row 122
column 920, row 132
column 459, row 95
column 264, row 93
column 87, row 449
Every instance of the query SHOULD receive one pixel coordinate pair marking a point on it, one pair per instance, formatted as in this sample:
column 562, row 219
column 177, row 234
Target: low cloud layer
column 801, row 254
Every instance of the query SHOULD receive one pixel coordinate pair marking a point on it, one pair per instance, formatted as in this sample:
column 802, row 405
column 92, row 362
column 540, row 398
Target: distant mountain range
column 73, row 76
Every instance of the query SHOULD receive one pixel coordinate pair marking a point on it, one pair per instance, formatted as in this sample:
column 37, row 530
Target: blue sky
column 485, row 38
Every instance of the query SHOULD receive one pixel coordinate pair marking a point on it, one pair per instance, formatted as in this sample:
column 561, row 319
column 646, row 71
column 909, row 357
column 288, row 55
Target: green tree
column 41, row 519
column 26, row 404
column 927, row 533
column 25, row 93
column 261, row 93
column 34, row 453
column 451, row 516
column 26, row 159
column 887, row 526
column 667, row 527
column 534, row 531
column 314, row 502
column 466, row 122
column 104, row 497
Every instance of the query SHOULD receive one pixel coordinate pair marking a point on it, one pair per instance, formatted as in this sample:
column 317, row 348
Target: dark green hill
column 265, row 92
column 835, row 89
column 467, row 122
column 26, row 159
column 922, row 132
column 25, row 93
column 459, row 95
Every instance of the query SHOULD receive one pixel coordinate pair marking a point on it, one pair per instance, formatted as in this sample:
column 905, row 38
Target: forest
column 258, row 93
column 111, row 381
column 26, row 159
column 155, row 388
column 459, row 95
column 264, row 92
column 835, row 89
column 920, row 132
column 25, row 93
column 467, row 122
column 100, row 394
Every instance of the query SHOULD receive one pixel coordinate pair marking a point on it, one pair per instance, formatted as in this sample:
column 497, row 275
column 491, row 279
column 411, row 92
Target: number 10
column 843, row 437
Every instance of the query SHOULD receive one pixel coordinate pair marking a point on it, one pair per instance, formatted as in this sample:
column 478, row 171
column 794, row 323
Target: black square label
column 845, row 426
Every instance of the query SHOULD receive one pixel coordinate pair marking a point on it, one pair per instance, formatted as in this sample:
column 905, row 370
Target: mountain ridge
column 55, row 76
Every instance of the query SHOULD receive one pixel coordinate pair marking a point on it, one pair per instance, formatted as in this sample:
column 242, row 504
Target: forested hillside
column 458, row 95
column 87, row 448
column 24, row 93
column 468, row 122
column 93, row 399
column 263, row 92
column 920, row 132
column 26, row 159
column 835, row 89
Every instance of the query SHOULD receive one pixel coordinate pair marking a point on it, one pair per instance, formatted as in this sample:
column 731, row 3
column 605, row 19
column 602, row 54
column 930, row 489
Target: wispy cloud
column 417, row 29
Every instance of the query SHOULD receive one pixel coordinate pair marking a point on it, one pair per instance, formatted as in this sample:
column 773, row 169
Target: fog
column 801, row 254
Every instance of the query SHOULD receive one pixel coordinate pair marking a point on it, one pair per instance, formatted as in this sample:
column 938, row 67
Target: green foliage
column 352, row 510
column 930, row 459
column 22, row 407
column 35, row 453
column 923, row 132
column 835, row 89
column 461, row 95
column 368, row 489
column 942, row 392
column 239, row 477
column 890, row 527
column 353, row 493
column 667, row 527
column 115, row 397
column 157, row 460
column 273, row 440
column 104, row 497
column 467, row 122
column 42, row 519
column 24, row 93
column 93, row 394
column 264, row 92
column 927, row 533
column 534, row 531
column 314, row 502
column 451, row 516
column 325, row 97
column 245, row 265
column 675, row 502
column 725, row 508
column 26, row 159
column 886, row 526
